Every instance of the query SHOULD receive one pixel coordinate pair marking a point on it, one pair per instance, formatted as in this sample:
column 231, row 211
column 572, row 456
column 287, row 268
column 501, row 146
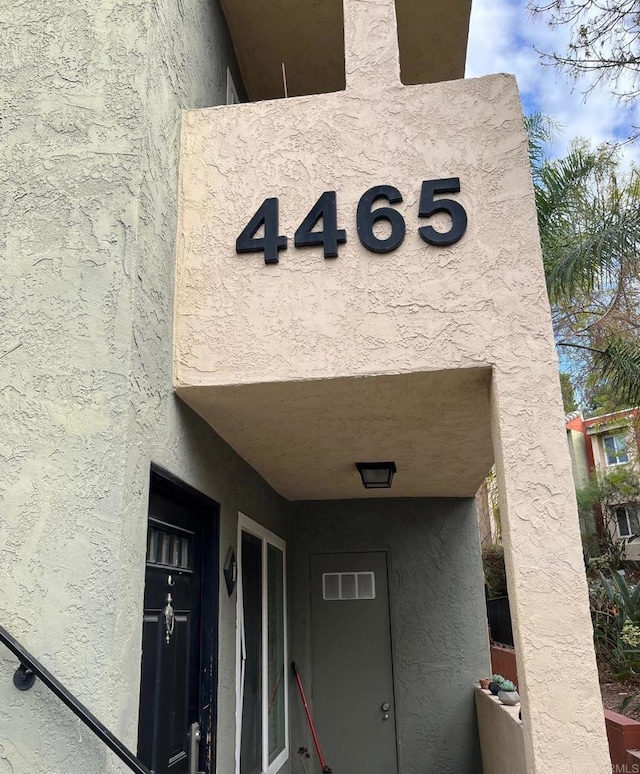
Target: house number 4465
column 330, row 236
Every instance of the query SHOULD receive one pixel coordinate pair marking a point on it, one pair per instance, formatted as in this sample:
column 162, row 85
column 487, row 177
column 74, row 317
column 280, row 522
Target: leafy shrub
column 615, row 611
column 495, row 575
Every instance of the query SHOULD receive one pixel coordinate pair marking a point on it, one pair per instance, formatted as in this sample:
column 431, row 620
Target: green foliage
column 498, row 679
column 589, row 221
column 621, row 484
column 624, row 598
column 568, row 393
column 495, row 575
column 600, row 397
column 615, row 612
column 508, row 686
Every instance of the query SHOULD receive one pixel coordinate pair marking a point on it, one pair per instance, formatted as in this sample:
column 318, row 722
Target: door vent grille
column 337, row 586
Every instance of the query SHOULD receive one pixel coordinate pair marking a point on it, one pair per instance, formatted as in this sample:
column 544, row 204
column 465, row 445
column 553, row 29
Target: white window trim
column 616, row 450
column 245, row 524
column 617, row 508
column 232, row 91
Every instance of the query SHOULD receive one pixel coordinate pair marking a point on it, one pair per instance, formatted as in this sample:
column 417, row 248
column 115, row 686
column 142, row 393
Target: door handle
column 195, row 735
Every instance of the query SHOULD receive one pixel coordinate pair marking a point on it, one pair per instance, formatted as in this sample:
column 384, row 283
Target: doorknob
column 195, row 735
column 386, row 707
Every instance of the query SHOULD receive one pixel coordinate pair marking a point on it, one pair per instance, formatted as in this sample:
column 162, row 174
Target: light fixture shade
column 376, row 475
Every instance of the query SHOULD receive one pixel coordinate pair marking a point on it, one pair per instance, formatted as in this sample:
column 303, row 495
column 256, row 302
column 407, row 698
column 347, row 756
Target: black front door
column 175, row 655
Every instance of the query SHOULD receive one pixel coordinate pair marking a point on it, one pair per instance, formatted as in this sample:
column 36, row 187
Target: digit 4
column 330, row 236
column 271, row 243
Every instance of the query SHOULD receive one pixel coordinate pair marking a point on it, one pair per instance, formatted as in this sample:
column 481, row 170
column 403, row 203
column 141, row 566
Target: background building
column 607, row 448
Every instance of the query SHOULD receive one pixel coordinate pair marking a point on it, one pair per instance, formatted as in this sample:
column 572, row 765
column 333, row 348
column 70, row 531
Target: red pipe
column 325, row 768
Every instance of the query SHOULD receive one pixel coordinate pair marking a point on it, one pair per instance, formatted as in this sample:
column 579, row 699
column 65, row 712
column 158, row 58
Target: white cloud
column 504, row 38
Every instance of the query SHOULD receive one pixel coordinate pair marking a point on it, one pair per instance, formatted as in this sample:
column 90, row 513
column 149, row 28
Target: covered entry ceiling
column 307, row 35
column 305, row 437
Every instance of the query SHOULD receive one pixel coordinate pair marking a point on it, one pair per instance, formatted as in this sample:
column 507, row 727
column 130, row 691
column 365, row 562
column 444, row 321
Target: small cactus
column 498, row 679
column 508, row 686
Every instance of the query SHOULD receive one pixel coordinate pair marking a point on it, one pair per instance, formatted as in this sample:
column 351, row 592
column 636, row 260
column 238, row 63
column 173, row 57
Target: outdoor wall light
column 376, row 475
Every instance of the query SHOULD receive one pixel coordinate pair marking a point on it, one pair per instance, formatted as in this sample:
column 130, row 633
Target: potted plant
column 508, row 693
column 496, row 684
column 484, row 682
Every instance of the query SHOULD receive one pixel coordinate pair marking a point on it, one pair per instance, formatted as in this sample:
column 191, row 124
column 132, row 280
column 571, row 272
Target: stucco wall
column 501, row 737
column 438, row 618
column 90, row 130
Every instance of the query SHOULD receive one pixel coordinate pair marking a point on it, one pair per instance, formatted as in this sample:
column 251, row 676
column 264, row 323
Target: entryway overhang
column 308, row 356
column 307, row 36
column 304, row 437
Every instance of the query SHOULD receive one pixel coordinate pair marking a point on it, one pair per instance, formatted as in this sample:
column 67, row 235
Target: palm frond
column 619, row 365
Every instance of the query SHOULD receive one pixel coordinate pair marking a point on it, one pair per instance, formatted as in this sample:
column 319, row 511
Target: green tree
column 620, row 486
column 589, row 222
column 568, row 393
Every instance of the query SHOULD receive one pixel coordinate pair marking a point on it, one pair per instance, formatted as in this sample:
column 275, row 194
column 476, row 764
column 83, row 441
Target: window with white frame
column 627, row 521
column 262, row 744
column 615, row 449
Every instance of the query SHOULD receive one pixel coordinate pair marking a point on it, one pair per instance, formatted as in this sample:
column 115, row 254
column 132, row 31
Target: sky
column 504, row 37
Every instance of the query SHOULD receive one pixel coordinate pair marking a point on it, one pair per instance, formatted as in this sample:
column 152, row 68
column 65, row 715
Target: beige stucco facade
column 262, row 351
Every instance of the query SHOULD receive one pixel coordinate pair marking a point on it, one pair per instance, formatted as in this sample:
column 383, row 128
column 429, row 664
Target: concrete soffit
column 304, row 437
column 308, row 37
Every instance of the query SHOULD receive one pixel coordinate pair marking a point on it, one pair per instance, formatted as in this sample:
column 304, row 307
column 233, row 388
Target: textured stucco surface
column 90, row 129
column 501, row 737
column 545, row 573
column 480, row 302
column 438, row 624
column 305, row 436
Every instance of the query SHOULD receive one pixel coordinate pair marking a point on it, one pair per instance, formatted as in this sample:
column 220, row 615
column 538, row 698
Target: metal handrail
column 30, row 666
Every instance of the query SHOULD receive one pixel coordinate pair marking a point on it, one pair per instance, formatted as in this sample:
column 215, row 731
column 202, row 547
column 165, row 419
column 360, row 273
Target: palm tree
column 589, row 222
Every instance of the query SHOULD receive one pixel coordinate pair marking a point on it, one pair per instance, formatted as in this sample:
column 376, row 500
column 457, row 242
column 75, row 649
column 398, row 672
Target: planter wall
column 623, row 733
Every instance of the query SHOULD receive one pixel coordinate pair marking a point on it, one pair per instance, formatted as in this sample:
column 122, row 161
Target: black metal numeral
column 366, row 218
column 429, row 206
column 330, row 236
column 271, row 243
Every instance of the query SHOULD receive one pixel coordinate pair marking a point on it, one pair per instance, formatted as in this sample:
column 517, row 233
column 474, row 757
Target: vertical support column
column 370, row 44
column 558, row 680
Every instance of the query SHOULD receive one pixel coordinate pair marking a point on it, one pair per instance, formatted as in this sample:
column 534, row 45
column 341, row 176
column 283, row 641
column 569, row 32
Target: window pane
column 633, row 519
column 615, row 448
column 275, row 651
column 623, row 524
column 251, row 731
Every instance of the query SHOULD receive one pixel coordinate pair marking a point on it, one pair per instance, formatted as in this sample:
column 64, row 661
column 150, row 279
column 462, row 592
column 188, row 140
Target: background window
column 615, row 449
column 627, row 520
